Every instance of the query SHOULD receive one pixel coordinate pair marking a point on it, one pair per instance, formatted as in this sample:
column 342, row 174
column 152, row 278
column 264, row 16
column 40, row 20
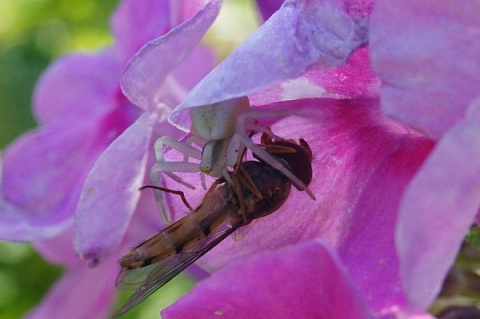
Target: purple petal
column 355, row 80
column 19, row 225
column 136, row 22
column 187, row 8
column 426, row 53
column 41, row 179
column 298, row 37
column 110, row 193
column 438, row 208
column 148, row 68
column 193, row 69
column 58, row 250
column 78, row 86
column 82, row 292
column 303, row 281
column 268, row 7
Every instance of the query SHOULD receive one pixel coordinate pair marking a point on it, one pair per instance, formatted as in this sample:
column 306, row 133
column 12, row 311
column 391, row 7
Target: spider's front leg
column 168, row 168
column 240, row 140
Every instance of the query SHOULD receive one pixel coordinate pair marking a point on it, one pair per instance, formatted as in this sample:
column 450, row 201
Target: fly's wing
column 156, row 275
column 243, row 231
column 133, row 278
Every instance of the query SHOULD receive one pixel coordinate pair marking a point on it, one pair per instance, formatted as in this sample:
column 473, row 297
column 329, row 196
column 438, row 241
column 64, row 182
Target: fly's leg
column 270, row 160
column 242, row 180
column 237, row 185
column 248, row 121
column 168, row 190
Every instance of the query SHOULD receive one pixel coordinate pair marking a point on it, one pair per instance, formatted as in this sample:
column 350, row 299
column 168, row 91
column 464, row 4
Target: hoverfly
column 258, row 190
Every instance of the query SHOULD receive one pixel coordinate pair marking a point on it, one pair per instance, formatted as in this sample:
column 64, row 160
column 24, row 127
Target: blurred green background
column 32, row 34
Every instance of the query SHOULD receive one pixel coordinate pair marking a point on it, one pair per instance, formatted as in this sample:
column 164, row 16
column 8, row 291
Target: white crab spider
column 220, row 129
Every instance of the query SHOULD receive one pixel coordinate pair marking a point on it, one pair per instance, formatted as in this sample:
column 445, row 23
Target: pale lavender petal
column 303, row 281
column 194, row 68
column 110, row 193
column 362, row 163
column 439, row 206
column 300, row 36
column 136, row 22
column 144, row 74
column 177, row 83
column 427, row 55
column 76, row 87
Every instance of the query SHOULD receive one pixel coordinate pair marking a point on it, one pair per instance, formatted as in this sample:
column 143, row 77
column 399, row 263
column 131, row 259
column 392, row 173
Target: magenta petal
column 355, row 80
column 362, row 163
column 303, row 281
column 78, row 86
column 110, row 193
column 138, row 21
column 140, row 81
column 300, row 36
column 439, row 206
column 427, row 54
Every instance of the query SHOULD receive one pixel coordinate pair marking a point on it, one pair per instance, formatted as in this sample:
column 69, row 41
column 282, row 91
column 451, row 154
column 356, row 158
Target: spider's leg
column 163, row 167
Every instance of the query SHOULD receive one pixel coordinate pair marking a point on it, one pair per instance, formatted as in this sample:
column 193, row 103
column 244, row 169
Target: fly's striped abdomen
column 182, row 234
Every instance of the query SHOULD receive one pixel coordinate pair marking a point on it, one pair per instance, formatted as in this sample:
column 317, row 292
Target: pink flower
column 395, row 195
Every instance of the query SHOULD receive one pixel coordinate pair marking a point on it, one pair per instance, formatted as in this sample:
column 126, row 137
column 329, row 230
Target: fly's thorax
column 300, row 162
column 273, row 185
column 298, row 159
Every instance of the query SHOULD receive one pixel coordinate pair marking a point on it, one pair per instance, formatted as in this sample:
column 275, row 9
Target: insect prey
column 257, row 190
